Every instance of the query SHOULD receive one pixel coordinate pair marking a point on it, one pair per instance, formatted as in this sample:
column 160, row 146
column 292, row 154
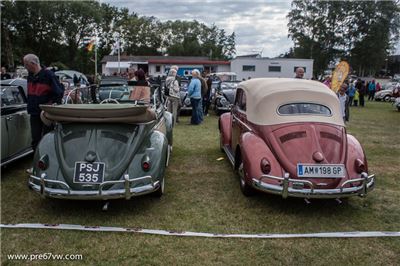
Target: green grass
column 202, row 194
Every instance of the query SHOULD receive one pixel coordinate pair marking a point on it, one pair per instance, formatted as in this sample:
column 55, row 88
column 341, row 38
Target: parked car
column 118, row 149
column 21, row 82
column 287, row 137
column 15, row 124
column 112, row 87
column 224, row 97
column 384, row 95
column 185, row 100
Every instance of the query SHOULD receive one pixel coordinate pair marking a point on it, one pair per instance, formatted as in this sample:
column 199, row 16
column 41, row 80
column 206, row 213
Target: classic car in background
column 185, row 100
column 384, row 95
column 287, row 137
column 118, row 149
column 112, row 87
column 224, row 97
column 15, row 124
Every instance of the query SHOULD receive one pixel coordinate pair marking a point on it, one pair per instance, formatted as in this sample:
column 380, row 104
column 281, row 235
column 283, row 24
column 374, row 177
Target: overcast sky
column 258, row 25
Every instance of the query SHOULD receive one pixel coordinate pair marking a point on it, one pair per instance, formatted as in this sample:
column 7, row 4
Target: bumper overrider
column 293, row 187
column 64, row 191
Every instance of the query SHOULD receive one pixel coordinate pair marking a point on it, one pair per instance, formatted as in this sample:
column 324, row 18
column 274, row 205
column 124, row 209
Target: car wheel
column 246, row 189
column 386, row 98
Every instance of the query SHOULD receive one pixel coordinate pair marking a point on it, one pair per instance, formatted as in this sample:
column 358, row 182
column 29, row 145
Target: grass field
column 202, row 194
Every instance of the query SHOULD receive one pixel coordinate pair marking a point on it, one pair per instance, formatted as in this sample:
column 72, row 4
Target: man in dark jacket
column 43, row 88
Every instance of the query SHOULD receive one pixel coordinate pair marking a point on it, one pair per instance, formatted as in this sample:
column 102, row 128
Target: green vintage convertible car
column 117, row 149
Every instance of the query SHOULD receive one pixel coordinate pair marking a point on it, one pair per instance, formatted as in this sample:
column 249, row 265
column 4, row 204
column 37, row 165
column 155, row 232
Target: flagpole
column 95, row 60
column 119, row 59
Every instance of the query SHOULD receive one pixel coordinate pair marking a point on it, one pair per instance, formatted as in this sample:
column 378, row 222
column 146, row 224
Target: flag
column 339, row 75
column 90, row 46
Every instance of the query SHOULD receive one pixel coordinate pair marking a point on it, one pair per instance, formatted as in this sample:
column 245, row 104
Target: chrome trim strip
column 67, row 193
column 241, row 122
column 285, row 190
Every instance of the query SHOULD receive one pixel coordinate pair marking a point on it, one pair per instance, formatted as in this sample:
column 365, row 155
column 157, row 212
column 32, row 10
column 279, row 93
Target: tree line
column 362, row 32
column 58, row 32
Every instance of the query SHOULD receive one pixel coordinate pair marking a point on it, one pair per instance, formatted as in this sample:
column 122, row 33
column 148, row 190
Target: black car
column 224, row 96
column 185, row 100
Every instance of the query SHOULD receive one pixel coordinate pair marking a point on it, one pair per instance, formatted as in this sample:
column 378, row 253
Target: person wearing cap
column 194, row 93
column 173, row 98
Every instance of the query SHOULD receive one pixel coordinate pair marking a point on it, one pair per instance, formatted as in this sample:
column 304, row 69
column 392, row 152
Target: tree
column 362, row 32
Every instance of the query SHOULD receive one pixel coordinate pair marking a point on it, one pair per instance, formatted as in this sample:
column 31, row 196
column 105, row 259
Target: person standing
column 371, row 90
column 207, row 97
column 299, row 73
column 43, row 88
column 360, row 87
column 194, row 93
column 344, row 101
column 351, row 92
column 328, row 81
column 4, row 74
column 173, row 98
column 204, row 90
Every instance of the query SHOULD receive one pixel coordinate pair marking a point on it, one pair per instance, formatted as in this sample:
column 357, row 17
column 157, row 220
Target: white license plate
column 89, row 173
column 321, row 170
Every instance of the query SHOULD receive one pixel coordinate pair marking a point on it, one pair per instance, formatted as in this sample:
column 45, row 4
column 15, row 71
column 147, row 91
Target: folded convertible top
column 95, row 113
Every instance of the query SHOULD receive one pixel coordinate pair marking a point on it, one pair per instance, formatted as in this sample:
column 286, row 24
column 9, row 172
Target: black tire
column 246, row 189
column 386, row 98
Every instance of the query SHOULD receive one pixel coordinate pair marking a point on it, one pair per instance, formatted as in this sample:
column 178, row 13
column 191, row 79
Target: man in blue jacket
column 194, row 93
column 43, row 88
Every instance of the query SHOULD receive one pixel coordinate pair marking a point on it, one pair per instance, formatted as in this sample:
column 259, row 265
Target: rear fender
column 354, row 152
column 155, row 149
column 253, row 150
column 169, row 125
column 225, row 129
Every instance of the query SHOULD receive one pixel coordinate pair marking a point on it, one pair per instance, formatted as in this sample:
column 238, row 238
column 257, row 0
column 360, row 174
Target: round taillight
column 359, row 166
column 146, row 166
column 41, row 165
column 265, row 166
column 43, row 162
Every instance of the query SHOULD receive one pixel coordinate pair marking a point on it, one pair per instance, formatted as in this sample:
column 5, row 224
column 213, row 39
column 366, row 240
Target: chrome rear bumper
column 286, row 188
column 65, row 192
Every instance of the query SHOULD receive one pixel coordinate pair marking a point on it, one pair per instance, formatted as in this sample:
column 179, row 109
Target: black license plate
column 89, row 173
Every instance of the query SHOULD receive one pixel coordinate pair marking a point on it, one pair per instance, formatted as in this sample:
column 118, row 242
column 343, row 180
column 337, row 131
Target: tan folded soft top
column 99, row 113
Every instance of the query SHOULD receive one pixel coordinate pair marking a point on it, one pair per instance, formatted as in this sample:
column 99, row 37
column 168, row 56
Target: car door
column 238, row 117
column 15, row 121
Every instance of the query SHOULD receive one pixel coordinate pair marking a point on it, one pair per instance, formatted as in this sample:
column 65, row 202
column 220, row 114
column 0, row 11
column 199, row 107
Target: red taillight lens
column 41, row 165
column 43, row 162
column 146, row 166
column 359, row 166
column 265, row 166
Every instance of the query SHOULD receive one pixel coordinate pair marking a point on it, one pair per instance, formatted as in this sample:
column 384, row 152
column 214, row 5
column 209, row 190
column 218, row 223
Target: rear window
column 304, row 108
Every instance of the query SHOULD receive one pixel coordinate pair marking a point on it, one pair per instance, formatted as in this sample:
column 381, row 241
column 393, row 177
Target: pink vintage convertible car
column 287, row 137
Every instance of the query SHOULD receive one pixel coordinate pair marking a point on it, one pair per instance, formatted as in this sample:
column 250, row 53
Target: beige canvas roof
column 98, row 113
column 265, row 95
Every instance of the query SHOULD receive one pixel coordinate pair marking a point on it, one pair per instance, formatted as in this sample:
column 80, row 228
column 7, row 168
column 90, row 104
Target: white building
column 158, row 65
column 261, row 67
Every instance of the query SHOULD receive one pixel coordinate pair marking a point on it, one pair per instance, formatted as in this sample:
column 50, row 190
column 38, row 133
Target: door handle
column 9, row 118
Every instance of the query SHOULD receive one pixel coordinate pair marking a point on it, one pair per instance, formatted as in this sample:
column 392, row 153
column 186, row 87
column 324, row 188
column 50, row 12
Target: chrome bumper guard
column 67, row 193
column 367, row 184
